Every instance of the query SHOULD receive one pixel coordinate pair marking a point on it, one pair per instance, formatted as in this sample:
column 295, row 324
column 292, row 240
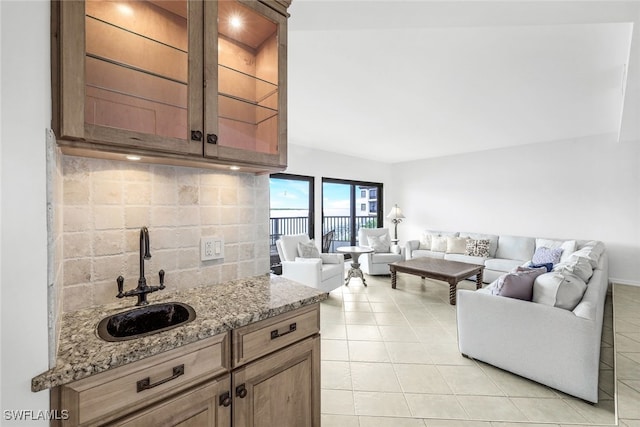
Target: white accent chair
column 377, row 263
column 325, row 273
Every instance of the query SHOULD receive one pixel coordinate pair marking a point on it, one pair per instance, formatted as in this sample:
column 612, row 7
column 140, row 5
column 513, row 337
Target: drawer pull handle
column 225, row 399
column 145, row 383
column 275, row 333
column 241, row 391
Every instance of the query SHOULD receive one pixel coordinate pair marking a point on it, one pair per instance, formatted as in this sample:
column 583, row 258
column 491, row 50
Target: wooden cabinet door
column 279, row 390
column 129, row 74
column 245, row 83
column 203, row 406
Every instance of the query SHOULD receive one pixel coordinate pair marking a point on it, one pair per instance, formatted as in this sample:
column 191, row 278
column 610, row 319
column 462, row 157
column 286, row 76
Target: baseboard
column 624, row 281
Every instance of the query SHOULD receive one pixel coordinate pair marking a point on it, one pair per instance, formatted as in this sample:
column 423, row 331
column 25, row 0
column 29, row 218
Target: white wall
column 25, row 114
column 324, row 164
column 585, row 189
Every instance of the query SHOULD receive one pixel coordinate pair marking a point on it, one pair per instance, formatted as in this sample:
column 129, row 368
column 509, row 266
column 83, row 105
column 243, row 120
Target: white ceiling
column 394, row 81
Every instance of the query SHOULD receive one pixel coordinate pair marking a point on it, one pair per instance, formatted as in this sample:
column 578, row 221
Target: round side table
column 355, row 252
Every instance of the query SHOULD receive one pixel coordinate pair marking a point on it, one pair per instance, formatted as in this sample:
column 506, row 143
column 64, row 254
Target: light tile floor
column 390, row 358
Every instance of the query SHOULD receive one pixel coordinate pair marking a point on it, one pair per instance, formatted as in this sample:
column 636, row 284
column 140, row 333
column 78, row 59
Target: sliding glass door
column 347, row 206
column 291, row 208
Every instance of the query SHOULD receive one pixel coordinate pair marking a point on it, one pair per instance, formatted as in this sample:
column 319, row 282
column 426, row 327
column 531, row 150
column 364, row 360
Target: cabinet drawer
column 258, row 339
column 114, row 393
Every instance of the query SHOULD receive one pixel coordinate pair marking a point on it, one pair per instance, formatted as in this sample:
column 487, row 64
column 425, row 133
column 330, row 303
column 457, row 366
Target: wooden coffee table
column 451, row 272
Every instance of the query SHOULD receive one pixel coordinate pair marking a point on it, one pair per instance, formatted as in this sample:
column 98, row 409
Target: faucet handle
column 120, row 281
column 161, row 274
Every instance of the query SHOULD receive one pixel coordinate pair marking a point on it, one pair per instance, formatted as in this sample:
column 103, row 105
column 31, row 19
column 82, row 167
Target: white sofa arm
column 409, row 247
column 304, row 270
column 543, row 343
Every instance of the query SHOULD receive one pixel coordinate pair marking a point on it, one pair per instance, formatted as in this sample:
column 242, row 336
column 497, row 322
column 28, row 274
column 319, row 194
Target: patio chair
column 327, row 239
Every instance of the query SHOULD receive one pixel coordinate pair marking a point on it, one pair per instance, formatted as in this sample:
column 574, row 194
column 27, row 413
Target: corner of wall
column 54, row 243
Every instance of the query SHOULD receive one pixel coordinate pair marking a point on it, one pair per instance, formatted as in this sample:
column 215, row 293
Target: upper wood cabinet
column 177, row 81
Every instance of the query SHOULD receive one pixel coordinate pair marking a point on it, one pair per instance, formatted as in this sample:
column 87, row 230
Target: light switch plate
column 211, row 248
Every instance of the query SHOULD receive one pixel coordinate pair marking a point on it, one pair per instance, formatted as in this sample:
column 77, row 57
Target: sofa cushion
column 424, row 253
column 517, row 284
column 502, row 264
column 589, row 253
column 465, row 258
column 596, row 246
column 382, row 258
column 558, row 290
column 438, row 244
column 545, row 255
column 308, row 250
column 380, row 244
column 478, row 248
column 492, row 238
column 580, row 266
column 515, row 247
column 568, row 246
column 456, row 245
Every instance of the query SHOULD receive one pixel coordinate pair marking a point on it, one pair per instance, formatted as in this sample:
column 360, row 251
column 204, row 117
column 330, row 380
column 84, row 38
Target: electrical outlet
column 211, row 248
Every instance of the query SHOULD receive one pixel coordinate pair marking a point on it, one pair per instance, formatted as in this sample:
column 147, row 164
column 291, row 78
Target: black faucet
column 142, row 290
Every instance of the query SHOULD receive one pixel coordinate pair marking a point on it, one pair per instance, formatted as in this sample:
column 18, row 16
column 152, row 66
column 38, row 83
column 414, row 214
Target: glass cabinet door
column 138, row 73
column 248, row 98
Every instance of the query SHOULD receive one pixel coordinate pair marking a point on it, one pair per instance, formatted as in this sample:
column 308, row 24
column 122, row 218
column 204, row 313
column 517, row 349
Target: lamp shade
column 395, row 213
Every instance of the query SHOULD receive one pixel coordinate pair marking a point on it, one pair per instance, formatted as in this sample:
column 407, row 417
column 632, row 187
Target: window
column 373, row 207
column 363, row 194
column 373, row 193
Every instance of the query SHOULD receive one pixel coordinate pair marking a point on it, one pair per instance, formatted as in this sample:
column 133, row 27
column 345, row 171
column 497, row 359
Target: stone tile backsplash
column 106, row 202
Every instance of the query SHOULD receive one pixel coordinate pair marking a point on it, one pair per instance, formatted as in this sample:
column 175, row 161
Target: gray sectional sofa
column 544, row 339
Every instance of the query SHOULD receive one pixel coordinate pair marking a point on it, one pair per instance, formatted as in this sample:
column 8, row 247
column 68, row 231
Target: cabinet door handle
column 212, row 138
column 145, row 383
column 196, row 135
column 275, row 333
column 241, row 391
column 225, row 399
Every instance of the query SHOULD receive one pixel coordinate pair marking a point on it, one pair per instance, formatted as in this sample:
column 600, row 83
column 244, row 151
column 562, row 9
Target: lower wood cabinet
column 202, row 406
column 269, row 377
column 281, row 389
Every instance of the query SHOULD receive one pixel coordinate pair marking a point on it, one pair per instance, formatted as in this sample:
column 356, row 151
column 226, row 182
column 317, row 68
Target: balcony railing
column 341, row 225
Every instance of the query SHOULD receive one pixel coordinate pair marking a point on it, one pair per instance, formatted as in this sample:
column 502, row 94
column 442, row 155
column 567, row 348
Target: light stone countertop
column 219, row 308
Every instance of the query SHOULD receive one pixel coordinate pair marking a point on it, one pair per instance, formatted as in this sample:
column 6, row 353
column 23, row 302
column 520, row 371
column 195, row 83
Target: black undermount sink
column 144, row 321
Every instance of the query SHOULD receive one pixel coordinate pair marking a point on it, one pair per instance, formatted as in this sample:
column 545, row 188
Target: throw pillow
column 544, row 255
column 548, row 266
column 425, row 241
column 558, row 290
column 478, row 248
column 456, row 245
column 568, row 246
column 380, row 244
column 438, row 244
column 518, row 284
column 308, row 250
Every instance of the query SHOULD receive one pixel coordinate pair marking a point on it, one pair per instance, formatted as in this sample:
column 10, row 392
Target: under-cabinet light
column 132, row 157
column 125, row 9
column 234, row 168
